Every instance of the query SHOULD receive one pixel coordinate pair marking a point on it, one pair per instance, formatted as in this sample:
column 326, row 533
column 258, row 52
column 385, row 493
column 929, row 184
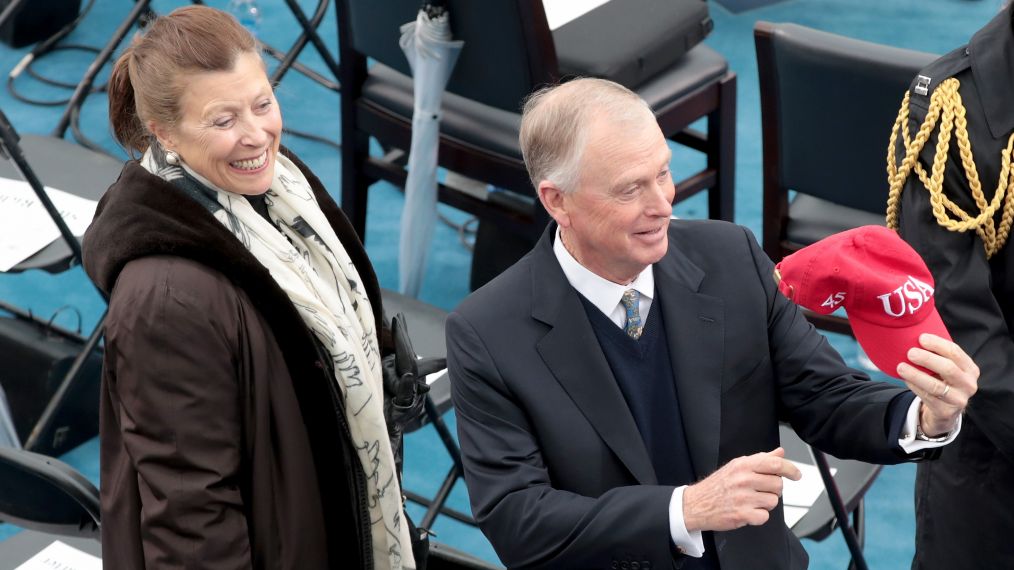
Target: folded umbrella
column 431, row 54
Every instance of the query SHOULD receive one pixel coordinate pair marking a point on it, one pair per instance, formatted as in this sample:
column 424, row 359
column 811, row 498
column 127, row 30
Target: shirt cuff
column 688, row 543
column 909, row 444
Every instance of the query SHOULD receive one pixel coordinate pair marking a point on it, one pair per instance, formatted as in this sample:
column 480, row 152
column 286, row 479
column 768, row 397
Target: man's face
column 615, row 222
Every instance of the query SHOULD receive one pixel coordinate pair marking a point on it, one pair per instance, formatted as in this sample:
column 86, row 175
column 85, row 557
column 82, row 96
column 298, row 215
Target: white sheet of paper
column 60, row 556
column 26, row 228
column 431, row 378
column 804, row 493
column 559, row 12
column 793, row 514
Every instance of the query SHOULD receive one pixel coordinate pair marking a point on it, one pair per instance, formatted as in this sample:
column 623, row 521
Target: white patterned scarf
column 306, row 259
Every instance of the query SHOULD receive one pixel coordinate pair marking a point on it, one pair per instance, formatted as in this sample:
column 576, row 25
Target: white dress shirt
column 605, row 296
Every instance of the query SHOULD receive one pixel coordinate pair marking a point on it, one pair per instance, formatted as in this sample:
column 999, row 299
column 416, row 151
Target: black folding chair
column 827, row 105
column 426, row 328
column 142, row 9
column 47, row 495
column 86, row 174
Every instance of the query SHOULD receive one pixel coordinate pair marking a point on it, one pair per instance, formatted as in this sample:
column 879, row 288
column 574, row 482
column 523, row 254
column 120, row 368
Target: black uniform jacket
column 965, row 500
column 557, row 472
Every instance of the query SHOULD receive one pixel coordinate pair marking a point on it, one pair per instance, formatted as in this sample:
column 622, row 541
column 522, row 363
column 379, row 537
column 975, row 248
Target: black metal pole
column 42, row 426
column 445, row 510
column 309, row 34
column 85, row 87
column 440, row 498
column 9, row 11
column 10, row 143
column 834, row 496
column 443, row 432
column 437, row 504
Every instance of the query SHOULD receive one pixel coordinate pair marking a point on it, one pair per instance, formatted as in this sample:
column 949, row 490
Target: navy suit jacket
column 557, row 473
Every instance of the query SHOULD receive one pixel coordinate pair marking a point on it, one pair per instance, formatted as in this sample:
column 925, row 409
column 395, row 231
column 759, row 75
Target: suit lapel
column 694, row 324
column 572, row 353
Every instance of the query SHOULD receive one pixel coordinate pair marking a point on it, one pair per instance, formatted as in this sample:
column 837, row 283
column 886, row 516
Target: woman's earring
column 172, row 157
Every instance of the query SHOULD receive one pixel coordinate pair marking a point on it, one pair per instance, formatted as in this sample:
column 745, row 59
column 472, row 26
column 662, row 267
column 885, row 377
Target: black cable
column 140, row 10
column 54, row 82
column 49, row 45
column 312, row 137
column 465, row 230
column 43, row 48
column 79, row 136
column 74, row 113
column 306, row 71
column 29, row 100
column 26, row 65
column 56, row 313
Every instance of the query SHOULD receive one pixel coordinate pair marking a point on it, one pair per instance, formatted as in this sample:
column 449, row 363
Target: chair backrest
column 828, row 103
column 44, row 494
column 508, row 48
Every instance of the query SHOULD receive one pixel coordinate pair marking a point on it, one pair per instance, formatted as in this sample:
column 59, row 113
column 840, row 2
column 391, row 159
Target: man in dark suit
column 618, row 390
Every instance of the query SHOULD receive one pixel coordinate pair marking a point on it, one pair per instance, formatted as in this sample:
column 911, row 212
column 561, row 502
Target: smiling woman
column 229, row 127
column 242, row 403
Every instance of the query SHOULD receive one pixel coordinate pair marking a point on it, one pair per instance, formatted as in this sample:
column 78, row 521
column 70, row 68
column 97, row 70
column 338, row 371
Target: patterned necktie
column 629, row 302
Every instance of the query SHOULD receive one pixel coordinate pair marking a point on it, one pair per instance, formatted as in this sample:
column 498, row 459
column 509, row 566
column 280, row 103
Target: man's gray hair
column 555, row 120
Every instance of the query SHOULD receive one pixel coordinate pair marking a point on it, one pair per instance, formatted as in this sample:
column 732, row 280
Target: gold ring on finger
column 947, row 388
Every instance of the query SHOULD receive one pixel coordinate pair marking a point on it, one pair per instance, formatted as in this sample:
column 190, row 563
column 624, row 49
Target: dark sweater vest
column 644, row 373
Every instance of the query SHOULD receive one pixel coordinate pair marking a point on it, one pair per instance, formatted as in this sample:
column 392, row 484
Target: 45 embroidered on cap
column 883, row 284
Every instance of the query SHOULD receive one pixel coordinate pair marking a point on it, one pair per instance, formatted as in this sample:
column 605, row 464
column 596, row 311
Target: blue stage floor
column 928, row 25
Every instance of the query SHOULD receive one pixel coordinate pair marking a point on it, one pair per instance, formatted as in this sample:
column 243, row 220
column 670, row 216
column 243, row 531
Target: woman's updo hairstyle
column 148, row 80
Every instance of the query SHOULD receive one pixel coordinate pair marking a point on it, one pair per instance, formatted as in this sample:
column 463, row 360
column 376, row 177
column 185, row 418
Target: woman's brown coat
column 223, row 442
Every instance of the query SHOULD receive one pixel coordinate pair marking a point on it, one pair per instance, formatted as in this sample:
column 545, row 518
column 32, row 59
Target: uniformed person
column 952, row 197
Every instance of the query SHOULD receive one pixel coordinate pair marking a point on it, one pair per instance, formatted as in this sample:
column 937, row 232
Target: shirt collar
column 601, row 292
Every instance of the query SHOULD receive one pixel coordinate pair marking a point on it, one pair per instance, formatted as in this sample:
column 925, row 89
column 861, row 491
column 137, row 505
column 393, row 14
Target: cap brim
column 888, row 346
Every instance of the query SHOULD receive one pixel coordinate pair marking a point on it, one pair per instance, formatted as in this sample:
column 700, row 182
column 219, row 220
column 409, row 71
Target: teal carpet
column 740, row 6
column 928, row 25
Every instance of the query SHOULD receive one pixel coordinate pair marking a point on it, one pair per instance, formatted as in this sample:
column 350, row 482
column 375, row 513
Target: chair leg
column 838, row 506
column 84, row 88
column 859, row 524
column 355, row 143
column 74, row 374
column 443, row 432
column 435, row 506
column 722, row 152
column 444, row 510
column 355, row 184
column 309, row 35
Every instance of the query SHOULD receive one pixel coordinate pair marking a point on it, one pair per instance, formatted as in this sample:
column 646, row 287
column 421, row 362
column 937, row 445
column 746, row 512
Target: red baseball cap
column 883, row 284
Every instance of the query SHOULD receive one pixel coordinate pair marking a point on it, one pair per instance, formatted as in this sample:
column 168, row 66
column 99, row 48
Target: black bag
column 35, row 21
column 629, row 41
column 34, row 359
